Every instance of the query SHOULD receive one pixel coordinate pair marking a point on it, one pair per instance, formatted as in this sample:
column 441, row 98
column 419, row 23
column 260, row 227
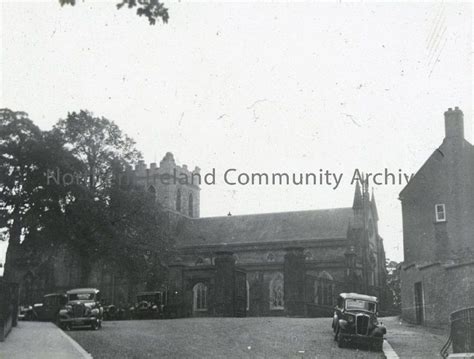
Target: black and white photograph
column 236, row 179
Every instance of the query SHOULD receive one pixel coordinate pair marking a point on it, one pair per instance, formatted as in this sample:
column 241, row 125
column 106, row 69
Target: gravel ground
column 217, row 338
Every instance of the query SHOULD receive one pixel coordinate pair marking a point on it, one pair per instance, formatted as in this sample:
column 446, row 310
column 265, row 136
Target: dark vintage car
column 25, row 312
column 149, row 305
column 47, row 310
column 83, row 308
column 114, row 312
column 355, row 321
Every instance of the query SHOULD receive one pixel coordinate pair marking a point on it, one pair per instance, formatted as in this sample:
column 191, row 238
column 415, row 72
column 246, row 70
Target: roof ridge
column 271, row 213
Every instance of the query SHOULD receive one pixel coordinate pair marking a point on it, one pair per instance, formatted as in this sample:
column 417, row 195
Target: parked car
column 83, row 308
column 47, row 310
column 114, row 312
column 25, row 312
column 149, row 305
column 355, row 321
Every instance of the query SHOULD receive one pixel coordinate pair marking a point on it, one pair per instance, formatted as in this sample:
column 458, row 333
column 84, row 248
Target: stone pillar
column 224, row 284
column 294, row 282
column 15, row 288
column 351, row 276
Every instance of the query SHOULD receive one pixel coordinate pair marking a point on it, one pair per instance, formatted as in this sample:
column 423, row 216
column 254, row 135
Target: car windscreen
column 81, row 296
column 358, row 304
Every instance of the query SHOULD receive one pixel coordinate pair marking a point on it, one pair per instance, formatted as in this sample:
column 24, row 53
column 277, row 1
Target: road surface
column 217, row 338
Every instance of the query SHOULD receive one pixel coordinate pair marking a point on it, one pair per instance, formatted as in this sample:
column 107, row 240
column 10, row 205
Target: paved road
column 217, row 338
column 415, row 342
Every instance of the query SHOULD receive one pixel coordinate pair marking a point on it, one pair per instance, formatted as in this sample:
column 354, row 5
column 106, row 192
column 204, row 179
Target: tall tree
column 65, row 186
column 99, row 145
column 113, row 219
column 394, row 283
column 27, row 199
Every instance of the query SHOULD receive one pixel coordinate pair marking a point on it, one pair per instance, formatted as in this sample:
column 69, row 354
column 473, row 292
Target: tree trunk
column 86, row 267
column 11, row 270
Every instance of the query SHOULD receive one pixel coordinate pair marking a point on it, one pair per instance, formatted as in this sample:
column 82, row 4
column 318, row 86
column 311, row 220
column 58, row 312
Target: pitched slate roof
column 267, row 227
column 437, row 158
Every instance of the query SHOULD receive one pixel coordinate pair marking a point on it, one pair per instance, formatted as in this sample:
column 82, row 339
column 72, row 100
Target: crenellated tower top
column 174, row 186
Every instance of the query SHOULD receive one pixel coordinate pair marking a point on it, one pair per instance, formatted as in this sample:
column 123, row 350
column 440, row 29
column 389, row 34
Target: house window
column 200, row 297
column 276, row 293
column 440, row 211
column 190, row 205
column 178, row 200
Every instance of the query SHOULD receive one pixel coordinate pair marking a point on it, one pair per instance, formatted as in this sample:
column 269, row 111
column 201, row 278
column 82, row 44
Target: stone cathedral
column 271, row 264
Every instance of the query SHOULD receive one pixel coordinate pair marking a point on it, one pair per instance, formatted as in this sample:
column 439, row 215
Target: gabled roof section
column 437, row 155
column 267, row 227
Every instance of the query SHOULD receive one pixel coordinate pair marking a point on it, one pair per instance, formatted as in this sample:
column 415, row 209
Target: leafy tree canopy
column 153, row 10
column 66, row 186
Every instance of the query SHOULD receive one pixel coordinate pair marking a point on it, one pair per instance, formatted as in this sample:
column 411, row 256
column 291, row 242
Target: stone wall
column 446, row 288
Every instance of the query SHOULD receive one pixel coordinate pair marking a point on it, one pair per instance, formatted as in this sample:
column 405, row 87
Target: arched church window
column 308, row 255
column 324, row 289
column 247, row 285
column 152, row 192
column 178, row 200
column 276, row 293
column 190, row 205
column 325, row 275
column 200, row 297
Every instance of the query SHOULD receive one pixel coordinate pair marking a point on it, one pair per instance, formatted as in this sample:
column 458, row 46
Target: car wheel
column 336, row 333
column 95, row 325
column 341, row 342
column 377, row 347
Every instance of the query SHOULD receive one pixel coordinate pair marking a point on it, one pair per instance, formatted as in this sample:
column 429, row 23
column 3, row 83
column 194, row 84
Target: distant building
column 438, row 230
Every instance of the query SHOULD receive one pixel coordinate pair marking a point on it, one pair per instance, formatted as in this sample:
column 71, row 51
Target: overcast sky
column 260, row 87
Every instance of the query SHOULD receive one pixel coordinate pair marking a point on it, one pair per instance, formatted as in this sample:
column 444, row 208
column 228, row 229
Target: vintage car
column 83, row 308
column 114, row 312
column 149, row 305
column 25, row 312
column 355, row 321
column 47, row 310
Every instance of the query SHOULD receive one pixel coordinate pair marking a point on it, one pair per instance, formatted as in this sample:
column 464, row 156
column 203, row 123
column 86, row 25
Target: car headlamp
column 350, row 319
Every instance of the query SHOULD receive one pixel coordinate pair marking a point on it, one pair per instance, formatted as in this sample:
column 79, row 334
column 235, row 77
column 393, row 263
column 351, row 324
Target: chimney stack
column 454, row 124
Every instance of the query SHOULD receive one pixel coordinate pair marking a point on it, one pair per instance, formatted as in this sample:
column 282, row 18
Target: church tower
column 175, row 187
